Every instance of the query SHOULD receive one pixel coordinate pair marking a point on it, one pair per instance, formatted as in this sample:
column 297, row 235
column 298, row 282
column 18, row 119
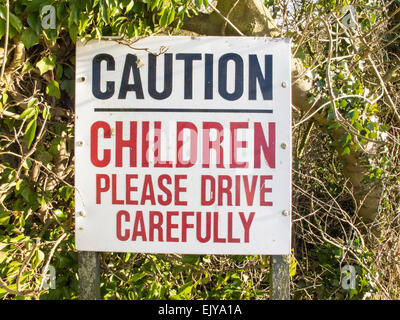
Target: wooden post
column 280, row 278
column 89, row 275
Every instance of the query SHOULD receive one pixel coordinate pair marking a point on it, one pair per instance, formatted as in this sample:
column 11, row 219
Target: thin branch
column 50, row 256
column 305, row 30
column 4, row 286
column 391, row 103
column 24, row 264
column 3, row 67
column 226, row 19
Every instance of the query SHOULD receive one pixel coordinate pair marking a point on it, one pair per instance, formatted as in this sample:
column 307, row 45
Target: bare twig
column 3, row 67
column 226, row 19
column 50, row 256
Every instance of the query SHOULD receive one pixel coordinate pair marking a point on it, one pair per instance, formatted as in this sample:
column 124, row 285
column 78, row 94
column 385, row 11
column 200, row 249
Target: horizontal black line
column 181, row 110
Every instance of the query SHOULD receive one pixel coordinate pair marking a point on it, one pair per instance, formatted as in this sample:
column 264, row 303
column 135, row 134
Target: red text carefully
column 175, row 226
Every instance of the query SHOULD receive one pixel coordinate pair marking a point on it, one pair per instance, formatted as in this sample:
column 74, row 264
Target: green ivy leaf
column 372, row 135
column 14, row 20
column 358, row 126
column 61, row 215
column 29, row 38
column 66, row 192
column 154, row 4
column 340, row 76
column 34, row 22
column 53, row 89
column 37, row 258
column 292, row 268
column 345, row 151
column 186, row 289
column 2, row 28
column 28, row 113
column 104, row 12
column 300, row 54
column 27, row 67
column 130, row 6
column 73, row 31
column 18, row 185
column 59, row 72
column 171, row 16
column 74, row 14
column 137, row 276
column 198, row 3
column 164, row 17
column 4, row 219
column 355, row 116
column 43, row 156
column 27, row 164
column 32, row 102
column 346, row 138
column 46, row 64
column 384, row 127
column 343, row 103
column 30, row 132
column 190, row 258
column 69, row 87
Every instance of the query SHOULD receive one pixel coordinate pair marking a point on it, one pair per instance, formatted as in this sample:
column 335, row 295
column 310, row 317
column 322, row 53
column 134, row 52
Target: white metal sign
column 183, row 145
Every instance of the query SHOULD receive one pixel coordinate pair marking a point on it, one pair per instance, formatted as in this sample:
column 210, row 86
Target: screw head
column 82, row 214
column 284, row 84
column 285, row 213
column 79, row 143
column 283, row 145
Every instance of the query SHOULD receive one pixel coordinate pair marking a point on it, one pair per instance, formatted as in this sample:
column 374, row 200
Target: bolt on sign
column 183, row 145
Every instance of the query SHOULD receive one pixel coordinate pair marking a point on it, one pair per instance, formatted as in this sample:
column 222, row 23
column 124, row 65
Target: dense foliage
column 353, row 117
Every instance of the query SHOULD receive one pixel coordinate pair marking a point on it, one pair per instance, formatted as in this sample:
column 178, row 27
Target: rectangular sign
column 183, row 145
